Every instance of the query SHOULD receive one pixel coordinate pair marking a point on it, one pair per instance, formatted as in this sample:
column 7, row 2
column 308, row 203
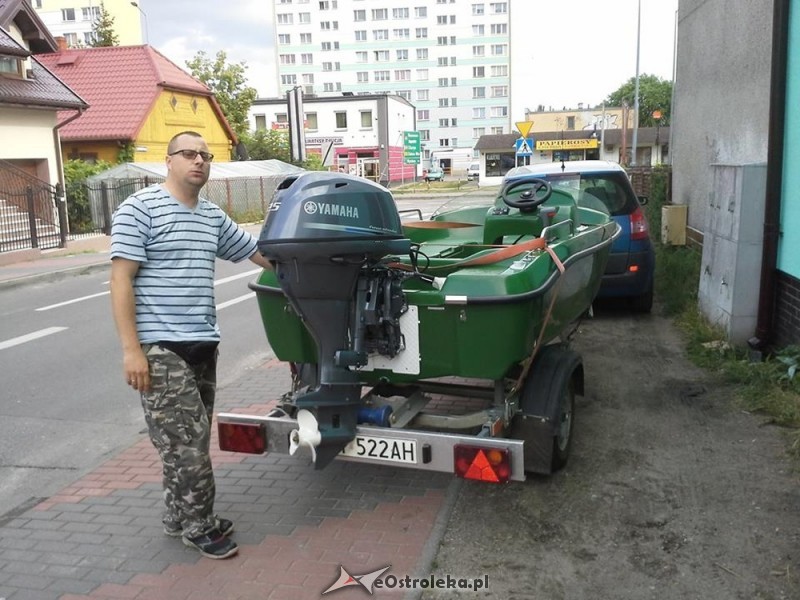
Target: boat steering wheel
column 535, row 192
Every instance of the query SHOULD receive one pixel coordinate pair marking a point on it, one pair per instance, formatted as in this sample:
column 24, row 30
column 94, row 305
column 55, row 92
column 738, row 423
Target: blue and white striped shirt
column 176, row 248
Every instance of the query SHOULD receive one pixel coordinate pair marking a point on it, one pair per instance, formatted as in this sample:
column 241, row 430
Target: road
column 64, row 406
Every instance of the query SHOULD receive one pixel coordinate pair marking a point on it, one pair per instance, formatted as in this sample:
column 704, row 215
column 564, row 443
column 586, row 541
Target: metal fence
column 32, row 212
column 91, row 205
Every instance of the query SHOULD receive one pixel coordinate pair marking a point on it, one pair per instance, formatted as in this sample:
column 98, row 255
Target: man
column 164, row 242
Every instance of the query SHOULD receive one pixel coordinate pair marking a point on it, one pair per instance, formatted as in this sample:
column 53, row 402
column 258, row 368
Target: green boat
column 360, row 299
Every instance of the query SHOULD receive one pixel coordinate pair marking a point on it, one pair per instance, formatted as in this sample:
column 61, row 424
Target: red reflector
column 633, row 268
column 482, row 464
column 639, row 228
column 249, row 438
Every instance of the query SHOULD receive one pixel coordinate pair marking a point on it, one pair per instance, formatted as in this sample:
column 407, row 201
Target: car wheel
column 644, row 302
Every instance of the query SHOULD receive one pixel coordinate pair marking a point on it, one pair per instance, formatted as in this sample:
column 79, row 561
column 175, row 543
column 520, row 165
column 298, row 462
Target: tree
column 654, row 94
column 103, row 34
column 266, row 144
column 229, row 84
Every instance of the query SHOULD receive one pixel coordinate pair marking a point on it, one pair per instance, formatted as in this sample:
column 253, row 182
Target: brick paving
column 101, row 538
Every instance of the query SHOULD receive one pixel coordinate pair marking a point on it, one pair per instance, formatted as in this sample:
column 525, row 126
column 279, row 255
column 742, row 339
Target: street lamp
column 657, row 117
column 144, row 14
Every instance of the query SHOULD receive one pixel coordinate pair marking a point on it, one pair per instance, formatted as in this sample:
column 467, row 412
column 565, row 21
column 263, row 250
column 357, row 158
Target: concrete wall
column 720, row 111
column 32, row 132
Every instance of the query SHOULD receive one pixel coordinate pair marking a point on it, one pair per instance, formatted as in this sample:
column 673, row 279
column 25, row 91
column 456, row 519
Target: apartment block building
column 74, row 19
column 449, row 58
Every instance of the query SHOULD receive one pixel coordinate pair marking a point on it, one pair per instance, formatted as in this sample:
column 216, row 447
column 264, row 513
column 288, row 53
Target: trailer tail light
column 639, row 228
column 482, row 464
column 250, row 438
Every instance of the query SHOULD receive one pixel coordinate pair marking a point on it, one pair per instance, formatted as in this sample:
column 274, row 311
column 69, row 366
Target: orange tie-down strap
column 502, row 253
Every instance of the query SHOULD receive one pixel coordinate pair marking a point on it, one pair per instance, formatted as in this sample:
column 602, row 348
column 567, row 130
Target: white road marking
column 235, row 301
column 216, row 283
column 73, row 301
column 30, row 337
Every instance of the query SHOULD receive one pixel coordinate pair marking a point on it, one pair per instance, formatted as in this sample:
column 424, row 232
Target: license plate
column 386, row 449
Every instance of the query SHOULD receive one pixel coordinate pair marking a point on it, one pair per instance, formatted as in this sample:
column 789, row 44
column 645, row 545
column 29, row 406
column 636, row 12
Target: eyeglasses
column 192, row 154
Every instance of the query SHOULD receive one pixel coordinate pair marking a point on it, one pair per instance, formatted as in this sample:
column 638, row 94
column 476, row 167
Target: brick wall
column 787, row 310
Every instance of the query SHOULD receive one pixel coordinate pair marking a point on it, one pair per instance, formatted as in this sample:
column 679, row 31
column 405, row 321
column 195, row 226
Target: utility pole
column 636, row 87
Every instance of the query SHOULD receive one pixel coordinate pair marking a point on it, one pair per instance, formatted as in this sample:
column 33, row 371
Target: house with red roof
column 138, row 100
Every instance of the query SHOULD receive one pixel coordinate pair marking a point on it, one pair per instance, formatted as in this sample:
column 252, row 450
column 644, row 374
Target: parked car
column 434, row 174
column 473, row 171
column 603, row 184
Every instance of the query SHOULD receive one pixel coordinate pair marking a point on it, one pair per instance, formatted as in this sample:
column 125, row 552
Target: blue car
column 605, row 185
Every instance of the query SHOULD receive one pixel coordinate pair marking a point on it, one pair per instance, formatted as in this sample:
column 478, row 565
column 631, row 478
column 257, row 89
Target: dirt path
column 671, row 492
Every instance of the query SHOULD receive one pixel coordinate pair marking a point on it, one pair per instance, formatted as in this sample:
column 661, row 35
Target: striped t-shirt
column 176, row 248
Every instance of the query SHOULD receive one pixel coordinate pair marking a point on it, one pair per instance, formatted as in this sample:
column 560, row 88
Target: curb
column 54, row 275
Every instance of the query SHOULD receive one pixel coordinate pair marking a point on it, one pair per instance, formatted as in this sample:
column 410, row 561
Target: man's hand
column 137, row 372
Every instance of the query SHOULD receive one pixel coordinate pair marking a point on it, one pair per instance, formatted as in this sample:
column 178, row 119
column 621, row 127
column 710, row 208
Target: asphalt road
column 64, row 407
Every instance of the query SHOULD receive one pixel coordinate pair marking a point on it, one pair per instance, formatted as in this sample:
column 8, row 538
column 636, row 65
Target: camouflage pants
column 178, row 412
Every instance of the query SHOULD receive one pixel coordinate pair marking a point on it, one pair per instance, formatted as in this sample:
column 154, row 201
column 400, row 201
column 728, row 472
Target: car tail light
column 250, row 438
column 482, row 464
column 639, row 228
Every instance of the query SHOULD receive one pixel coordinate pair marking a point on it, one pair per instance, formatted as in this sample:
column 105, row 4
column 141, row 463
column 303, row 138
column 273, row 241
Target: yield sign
column 524, row 127
column 524, row 146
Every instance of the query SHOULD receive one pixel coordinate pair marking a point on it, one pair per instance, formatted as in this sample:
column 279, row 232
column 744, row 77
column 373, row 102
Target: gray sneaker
column 173, row 529
column 212, row 545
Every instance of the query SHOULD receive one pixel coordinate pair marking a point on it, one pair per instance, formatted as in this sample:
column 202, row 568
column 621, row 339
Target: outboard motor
column 330, row 237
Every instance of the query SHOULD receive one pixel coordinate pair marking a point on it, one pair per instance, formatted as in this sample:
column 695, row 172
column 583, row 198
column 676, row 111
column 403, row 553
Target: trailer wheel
column 547, row 402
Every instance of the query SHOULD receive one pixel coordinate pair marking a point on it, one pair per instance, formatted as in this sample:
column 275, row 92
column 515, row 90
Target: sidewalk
column 101, row 538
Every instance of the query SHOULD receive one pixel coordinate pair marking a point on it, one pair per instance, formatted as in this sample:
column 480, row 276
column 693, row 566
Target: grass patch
column 768, row 387
column 434, row 186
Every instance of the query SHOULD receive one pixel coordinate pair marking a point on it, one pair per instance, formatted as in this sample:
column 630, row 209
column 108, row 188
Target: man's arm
column 123, row 306
column 258, row 259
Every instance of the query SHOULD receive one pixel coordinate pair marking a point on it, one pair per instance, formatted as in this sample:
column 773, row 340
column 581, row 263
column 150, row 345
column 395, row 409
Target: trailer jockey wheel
column 527, row 194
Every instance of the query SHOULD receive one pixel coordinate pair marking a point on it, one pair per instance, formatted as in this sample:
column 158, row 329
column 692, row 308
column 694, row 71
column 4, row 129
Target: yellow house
column 74, row 19
column 138, row 100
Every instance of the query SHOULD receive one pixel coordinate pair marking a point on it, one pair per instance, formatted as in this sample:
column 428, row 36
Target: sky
column 572, row 51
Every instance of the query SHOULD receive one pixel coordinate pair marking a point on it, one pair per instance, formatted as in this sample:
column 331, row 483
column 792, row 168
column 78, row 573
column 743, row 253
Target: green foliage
column 103, row 30
column 78, row 210
column 654, row 94
column 229, row 84
column 266, row 144
column 314, row 163
column 126, row 153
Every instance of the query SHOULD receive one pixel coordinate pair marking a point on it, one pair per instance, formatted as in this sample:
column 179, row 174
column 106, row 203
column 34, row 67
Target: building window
column 444, row 102
column 421, row 12
column 478, row 132
column 341, row 120
column 332, row 87
column 381, row 55
column 328, row 4
column 423, row 95
column 328, row 46
column 329, row 25
column 287, row 59
column 361, row 35
column 479, row 92
column 422, row 54
column 478, row 72
column 401, row 34
column 421, row 33
column 499, row 28
column 499, row 111
column 499, row 49
column 307, row 58
column 423, row 114
column 311, row 121
column 284, row 19
column 304, row 17
column 422, row 74
column 380, row 34
column 404, row 94
column 361, row 56
column 71, row 39
column 500, row 71
column 400, row 13
column 571, row 123
column 380, row 14
column 401, row 55
column 479, row 112
column 382, row 76
column 477, row 9
column 497, row 131
column 359, row 15
column 479, row 51
column 288, row 79
column 308, row 78
column 90, row 13
column 444, row 142
column 477, row 30
column 500, row 163
column 425, row 135
column 499, row 91
column 366, row 119
column 443, row 82
column 499, row 7
column 305, row 38
column 67, row 14
column 261, row 122
column 284, row 38
column 10, row 65
column 362, row 77
column 402, row 75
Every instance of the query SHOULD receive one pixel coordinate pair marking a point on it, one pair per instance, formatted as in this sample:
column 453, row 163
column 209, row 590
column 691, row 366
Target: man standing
column 164, row 243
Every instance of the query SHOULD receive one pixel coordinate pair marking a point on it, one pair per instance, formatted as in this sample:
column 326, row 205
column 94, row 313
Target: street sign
column 524, row 127
column 411, row 147
column 524, row 146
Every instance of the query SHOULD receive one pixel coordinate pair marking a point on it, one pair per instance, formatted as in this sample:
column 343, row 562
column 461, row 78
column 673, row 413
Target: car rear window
column 611, row 189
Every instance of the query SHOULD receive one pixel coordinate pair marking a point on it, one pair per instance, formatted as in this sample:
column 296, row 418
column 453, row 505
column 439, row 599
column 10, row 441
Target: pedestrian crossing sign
column 524, row 146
